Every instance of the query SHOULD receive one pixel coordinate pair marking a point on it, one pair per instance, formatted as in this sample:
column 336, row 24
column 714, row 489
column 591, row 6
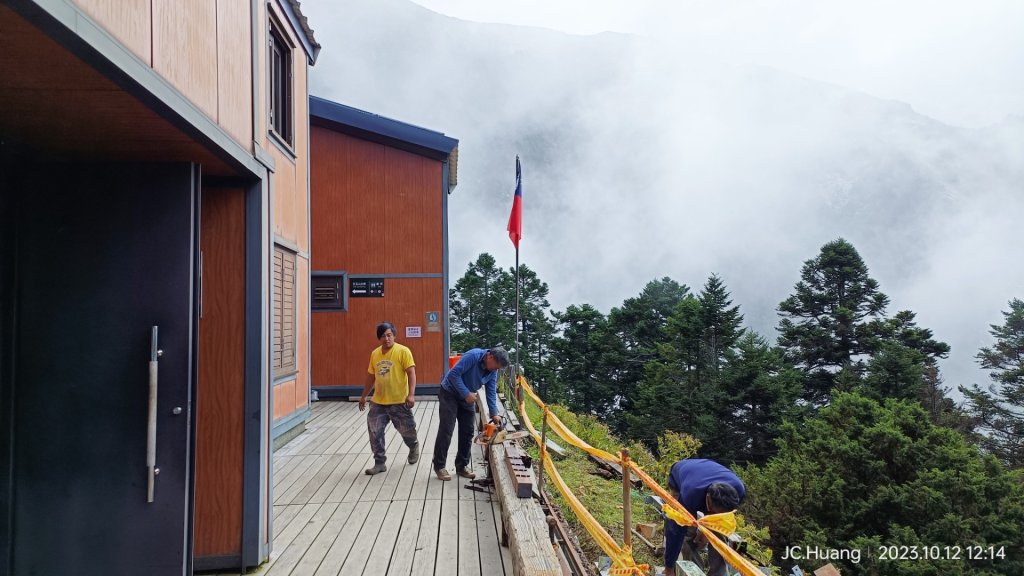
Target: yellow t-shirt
column 392, row 383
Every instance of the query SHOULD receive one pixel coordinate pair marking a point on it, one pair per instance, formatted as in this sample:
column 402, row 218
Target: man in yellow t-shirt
column 392, row 376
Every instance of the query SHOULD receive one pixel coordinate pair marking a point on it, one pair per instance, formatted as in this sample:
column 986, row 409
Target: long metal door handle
column 154, row 370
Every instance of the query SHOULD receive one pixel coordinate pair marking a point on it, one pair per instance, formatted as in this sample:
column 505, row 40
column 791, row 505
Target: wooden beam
column 523, row 521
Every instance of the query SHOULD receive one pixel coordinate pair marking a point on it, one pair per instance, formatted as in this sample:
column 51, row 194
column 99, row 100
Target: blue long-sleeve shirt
column 469, row 374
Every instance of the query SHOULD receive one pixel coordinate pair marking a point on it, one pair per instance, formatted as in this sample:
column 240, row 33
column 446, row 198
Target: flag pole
column 515, row 233
column 516, row 376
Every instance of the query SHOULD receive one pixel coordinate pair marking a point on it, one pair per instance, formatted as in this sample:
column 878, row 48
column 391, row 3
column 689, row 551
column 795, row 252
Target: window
column 283, row 330
column 280, row 86
column 328, row 291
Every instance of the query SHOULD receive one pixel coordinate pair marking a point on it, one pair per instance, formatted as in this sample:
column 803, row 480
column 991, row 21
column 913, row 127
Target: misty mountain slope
column 640, row 161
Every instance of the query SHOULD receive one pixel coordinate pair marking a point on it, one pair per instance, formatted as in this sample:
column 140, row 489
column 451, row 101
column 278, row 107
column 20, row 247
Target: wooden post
column 627, row 502
column 543, row 448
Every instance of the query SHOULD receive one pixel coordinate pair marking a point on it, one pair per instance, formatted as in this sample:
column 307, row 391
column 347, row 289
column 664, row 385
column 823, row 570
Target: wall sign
column 433, row 321
column 366, row 287
column 413, row 331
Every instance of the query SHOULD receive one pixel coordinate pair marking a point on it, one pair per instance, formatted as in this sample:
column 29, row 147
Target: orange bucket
column 453, row 360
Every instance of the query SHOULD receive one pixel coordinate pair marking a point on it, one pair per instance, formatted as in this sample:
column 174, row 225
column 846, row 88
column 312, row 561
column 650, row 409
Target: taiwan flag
column 515, row 219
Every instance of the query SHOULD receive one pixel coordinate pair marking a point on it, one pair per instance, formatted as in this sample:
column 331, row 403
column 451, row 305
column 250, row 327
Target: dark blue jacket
column 691, row 478
column 469, row 374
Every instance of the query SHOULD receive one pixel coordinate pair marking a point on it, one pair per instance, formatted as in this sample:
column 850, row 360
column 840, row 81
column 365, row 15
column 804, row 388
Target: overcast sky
column 744, row 171
column 960, row 62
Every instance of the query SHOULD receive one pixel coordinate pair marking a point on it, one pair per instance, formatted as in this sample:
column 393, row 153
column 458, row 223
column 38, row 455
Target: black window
column 328, row 291
column 280, row 86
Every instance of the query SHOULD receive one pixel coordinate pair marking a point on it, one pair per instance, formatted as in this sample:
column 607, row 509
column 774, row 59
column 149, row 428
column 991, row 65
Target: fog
column 716, row 140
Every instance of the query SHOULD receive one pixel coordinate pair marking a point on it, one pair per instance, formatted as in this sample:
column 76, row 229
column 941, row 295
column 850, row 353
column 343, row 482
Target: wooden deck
column 332, row 519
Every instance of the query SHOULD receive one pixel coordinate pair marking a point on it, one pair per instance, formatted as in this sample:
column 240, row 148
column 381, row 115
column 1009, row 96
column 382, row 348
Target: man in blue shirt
column 457, row 398
column 705, row 487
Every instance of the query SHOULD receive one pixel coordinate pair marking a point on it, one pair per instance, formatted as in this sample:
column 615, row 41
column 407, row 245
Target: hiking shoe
column 377, row 469
column 465, row 472
column 414, row 454
column 443, row 474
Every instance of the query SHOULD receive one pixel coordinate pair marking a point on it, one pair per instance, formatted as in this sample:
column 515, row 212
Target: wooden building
column 379, row 195
column 154, row 165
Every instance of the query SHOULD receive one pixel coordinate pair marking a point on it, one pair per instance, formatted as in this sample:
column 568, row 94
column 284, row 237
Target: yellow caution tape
column 622, row 558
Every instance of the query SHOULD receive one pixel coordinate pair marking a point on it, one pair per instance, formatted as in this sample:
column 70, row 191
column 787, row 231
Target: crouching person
column 703, row 487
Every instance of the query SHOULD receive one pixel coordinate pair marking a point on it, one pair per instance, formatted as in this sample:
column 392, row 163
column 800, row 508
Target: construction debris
column 519, row 471
column 827, row 570
column 647, row 529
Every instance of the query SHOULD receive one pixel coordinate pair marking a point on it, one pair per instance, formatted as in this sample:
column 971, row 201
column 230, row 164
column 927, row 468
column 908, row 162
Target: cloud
column 642, row 159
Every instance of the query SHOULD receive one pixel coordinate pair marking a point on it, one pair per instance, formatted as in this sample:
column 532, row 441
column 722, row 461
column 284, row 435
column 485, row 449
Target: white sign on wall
column 413, row 331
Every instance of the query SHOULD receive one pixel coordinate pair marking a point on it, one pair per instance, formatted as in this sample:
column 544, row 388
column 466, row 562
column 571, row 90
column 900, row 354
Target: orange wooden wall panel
column 347, row 203
column 127, row 20
column 220, row 398
column 234, row 70
column 342, row 342
column 407, row 300
column 185, row 49
column 413, row 198
column 375, row 210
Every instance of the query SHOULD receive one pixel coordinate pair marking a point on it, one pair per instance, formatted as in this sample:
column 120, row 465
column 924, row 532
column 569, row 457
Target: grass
column 603, row 497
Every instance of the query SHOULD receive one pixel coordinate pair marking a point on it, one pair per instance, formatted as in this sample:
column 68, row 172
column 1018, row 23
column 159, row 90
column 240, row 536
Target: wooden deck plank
column 487, row 535
column 405, row 550
column 289, row 496
column 506, row 555
column 284, row 538
column 384, row 546
column 347, row 482
column 294, row 473
column 363, row 544
column 469, row 542
column 339, row 550
column 334, row 479
column 331, row 519
column 425, row 559
column 313, row 485
column 360, row 481
column 448, row 538
column 292, row 555
column 324, row 541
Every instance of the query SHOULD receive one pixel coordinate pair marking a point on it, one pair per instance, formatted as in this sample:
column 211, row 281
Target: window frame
column 280, row 84
column 342, row 299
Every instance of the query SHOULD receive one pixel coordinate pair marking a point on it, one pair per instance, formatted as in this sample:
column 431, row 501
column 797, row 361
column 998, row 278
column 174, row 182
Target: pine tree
column 760, row 395
column 640, row 324
column 536, row 327
column 999, row 410
column 681, row 391
column 826, row 327
column 721, row 325
column 861, row 474
column 479, row 306
column 589, row 358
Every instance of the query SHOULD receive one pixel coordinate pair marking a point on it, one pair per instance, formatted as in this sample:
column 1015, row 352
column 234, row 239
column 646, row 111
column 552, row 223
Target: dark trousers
column 680, row 539
column 377, row 422
column 454, row 409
